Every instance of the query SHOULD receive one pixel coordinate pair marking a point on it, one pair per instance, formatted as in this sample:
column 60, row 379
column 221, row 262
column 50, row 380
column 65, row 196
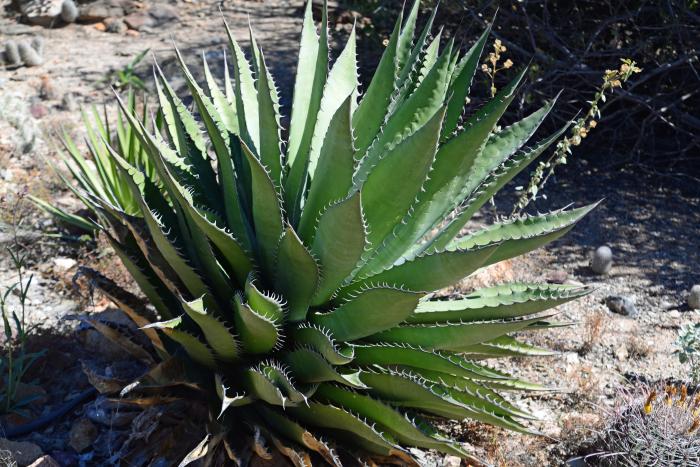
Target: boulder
column 23, row 453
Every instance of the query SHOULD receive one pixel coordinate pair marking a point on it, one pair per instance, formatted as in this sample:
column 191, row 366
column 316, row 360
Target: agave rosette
column 294, row 278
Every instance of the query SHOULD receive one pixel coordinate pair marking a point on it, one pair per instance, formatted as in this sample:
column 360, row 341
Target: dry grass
column 593, row 328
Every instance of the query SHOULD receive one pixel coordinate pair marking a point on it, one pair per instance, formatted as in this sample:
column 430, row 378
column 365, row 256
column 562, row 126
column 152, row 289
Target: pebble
column 602, row 260
column 64, row 263
column 557, row 277
column 674, row 314
column 694, row 297
column 82, row 434
column 622, row 305
column 621, row 353
column 452, row 461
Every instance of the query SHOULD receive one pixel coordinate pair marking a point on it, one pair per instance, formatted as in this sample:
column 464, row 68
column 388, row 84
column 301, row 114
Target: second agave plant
column 293, row 279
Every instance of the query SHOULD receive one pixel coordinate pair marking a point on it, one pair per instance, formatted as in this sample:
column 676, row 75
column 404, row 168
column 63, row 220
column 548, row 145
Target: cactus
column 694, row 297
column 12, row 56
column 38, row 45
column 657, row 427
column 29, row 56
column 69, row 11
column 294, row 280
column 602, row 260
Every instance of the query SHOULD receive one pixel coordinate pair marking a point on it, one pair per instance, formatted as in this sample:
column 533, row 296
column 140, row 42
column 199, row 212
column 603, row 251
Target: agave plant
column 294, row 279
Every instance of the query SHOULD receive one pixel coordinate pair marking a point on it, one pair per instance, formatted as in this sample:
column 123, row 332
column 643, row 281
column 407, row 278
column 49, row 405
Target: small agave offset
column 293, row 279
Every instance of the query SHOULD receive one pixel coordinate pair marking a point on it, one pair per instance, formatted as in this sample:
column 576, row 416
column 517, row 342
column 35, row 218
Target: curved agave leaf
column 258, row 333
column 297, row 274
column 218, row 336
column 321, row 340
column 345, row 324
column 499, row 302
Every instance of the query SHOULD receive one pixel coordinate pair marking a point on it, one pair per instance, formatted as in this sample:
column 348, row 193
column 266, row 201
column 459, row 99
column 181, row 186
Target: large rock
column 102, row 9
column 22, row 453
column 41, row 12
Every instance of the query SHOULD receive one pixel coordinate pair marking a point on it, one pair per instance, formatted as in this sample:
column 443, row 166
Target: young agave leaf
column 258, row 333
column 218, row 336
column 297, row 274
column 269, row 118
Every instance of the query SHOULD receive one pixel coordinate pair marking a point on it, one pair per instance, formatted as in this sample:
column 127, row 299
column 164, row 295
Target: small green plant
column 293, row 279
column 15, row 360
column 126, row 78
column 688, row 343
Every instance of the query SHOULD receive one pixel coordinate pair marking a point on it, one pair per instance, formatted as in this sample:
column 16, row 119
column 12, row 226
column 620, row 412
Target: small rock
column 82, row 434
column 38, row 110
column 621, row 353
column 694, row 297
column 621, row 305
column 674, row 314
column 572, row 358
column 23, row 453
column 602, row 260
column 64, row 263
column 68, row 102
column 100, row 27
column 452, row 461
column 47, row 90
column 162, row 13
column 557, row 277
column 139, row 20
column 115, row 25
column 45, row 461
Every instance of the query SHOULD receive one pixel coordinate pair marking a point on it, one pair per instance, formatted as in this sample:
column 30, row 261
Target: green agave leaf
column 228, row 114
column 408, row 390
column 63, row 215
column 405, row 40
column 417, row 111
column 390, row 189
column 266, row 209
column 245, row 95
column 431, row 56
column 196, row 349
column 518, row 236
column 389, row 419
column 341, row 84
column 271, row 383
column 339, row 244
column 485, row 191
column 474, row 394
column 458, row 163
column 333, row 179
column 503, row 346
column 429, row 272
column 186, row 137
column 219, row 138
column 461, row 82
column 258, row 333
column 270, row 127
column 312, row 70
column 309, row 366
column 371, row 112
column 218, row 336
column 152, row 287
column 321, row 340
column 368, row 312
column 343, row 423
column 451, row 336
column 499, row 302
column 264, row 304
column 387, row 355
column 297, row 274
